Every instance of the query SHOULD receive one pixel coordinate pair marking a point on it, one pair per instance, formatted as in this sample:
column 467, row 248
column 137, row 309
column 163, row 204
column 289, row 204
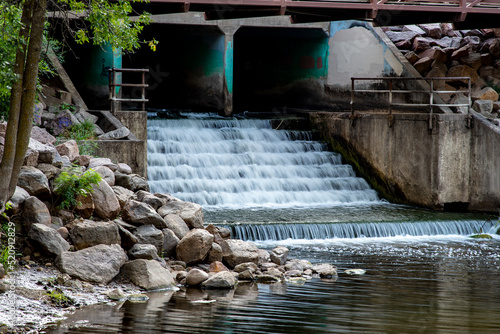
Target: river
column 424, row 273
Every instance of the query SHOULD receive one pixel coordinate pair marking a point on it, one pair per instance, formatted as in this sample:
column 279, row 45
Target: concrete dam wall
column 451, row 167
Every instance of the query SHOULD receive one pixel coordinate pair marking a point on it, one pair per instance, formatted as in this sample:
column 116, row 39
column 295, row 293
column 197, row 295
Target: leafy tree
column 23, row 23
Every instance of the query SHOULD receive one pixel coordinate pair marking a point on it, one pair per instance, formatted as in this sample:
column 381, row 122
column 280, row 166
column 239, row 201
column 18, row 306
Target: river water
column 424, row 274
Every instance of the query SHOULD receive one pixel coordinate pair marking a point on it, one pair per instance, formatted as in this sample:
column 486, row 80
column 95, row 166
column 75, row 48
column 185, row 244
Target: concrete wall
column 131, row 152
column 449, row 167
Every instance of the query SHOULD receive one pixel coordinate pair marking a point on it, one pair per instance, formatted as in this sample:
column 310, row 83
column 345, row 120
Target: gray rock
column 88, row 233
column 239, row 251
column 61, row 122
column 460, row 98
column 83, row 160
column 49, row 170
column 51, row 241
column 191, row 213
column 264, row 256
column 221, row 280
column 122, row 194
column 105, row 201
column 143, row 251
column 149, row 275
column 170, row 242
column 82, row 116
column 33, row 181
column 483, row 106
column 296, row 264
column 194, row 246
column 127, row 238
column 117, row 134
column 215, row 253
column 42, row 135
column 325, row 270
column 106, row 174
column 279, row 255
column 396, row 36
column 148, row 234
column 215, row 232
column 63, row 232
column 46, row 153
column 17, row 200
column 246, row 275
column 139, row 213
column 251, row 266
column 177, row 225
column 196, row 277
column 132, row 182
column 69, row 149
column 31, row 158
column 124, row 169
column 35, row 212
column 149, row 199
column 85, row 207
column 97, row 264
column 94, row 162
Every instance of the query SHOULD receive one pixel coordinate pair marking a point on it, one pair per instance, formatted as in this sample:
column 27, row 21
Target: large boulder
column 33, row 181
column 69, row 149
column 170, row 242
column 106, row 174
column 139, row 213
column 221, row 280
column 486, row 93
column 194, row 246
column 117, row 134
column 177, row 225
column 191, row 213
column 132, row 182
column 48, row 238
column 85, row 207
column 46, row 153
column 99, row 264
column 148, row 234
column 105, row 201
column 484, row 107
column 42, row 135
column 17, row 200
column 150, row 199
column 61, row 122
column 94, row 162
column 128, row 238
column 463, row 71
column 35, row 212
column 279, row 255
column 239, row 251
column 325, row 270
column 123, row 194
column 195, row 277
column 149, row 275
column 88, row 233
column 143, row 251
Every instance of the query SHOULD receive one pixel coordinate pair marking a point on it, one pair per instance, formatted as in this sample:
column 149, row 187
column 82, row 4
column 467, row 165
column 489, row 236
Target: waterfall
column 244, row 163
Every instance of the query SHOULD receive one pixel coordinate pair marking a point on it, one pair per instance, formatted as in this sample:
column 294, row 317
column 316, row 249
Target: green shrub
column 72, row 183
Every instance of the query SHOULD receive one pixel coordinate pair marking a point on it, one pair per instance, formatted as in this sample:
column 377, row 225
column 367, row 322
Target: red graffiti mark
column 319, row 62
column 306, row 62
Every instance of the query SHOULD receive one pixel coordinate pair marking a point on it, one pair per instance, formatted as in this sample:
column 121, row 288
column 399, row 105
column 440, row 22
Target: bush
column 72, row 183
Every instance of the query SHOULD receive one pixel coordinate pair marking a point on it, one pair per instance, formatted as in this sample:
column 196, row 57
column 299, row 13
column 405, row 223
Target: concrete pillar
column 229, row 32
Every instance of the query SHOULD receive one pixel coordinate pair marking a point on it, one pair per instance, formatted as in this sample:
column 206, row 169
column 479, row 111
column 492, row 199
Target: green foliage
column 81, row 131
column 58, row 298
column 72, row 183
column 66, row 106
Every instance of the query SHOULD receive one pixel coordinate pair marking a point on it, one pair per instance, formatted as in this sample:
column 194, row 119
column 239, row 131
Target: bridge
column 466, row 14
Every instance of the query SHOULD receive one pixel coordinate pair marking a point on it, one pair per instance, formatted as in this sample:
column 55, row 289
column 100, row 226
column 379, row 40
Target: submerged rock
column 149, row 275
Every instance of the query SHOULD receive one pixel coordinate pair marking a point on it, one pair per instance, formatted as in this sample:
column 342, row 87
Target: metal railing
column 390, row 91
column 115, row 97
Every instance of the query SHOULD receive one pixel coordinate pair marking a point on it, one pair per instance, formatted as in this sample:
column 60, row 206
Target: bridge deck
column 466, row 13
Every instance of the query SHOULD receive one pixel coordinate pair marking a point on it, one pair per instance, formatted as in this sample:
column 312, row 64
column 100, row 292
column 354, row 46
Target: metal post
column 143, row 97
column 352, row 96
column 431, row 102
column 390, row 96
column 470, row 101
column 110, row 80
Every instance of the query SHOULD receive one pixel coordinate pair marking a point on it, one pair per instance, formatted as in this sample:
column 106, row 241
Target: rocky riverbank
column 117, row 241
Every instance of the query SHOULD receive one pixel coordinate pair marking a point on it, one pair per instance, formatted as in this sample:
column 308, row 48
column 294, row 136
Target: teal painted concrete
column 228, row 68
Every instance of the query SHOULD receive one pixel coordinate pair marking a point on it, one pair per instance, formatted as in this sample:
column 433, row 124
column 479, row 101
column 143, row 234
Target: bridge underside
column 465, row 14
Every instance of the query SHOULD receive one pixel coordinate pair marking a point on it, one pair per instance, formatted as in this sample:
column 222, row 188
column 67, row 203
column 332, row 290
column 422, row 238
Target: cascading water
column 268, row 184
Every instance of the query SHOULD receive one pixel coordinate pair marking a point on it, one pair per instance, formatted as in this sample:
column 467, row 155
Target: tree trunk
column 22, row 98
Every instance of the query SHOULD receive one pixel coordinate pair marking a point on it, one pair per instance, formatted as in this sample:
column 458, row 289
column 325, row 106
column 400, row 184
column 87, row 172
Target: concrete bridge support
column 450, row 167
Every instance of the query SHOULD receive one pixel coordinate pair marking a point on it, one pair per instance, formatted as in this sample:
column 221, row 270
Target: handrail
column 114, row 100
column 431, row 93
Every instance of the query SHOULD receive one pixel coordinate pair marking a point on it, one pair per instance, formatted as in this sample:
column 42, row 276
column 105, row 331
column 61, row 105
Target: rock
column 239, row 251
column 221, row 280
column 177, row 225
column 404, row 45
column 460, row 98
column 191, row 213
column 460, row 53
column 46, row 153
column 432, row 30
column 17, row 200
column 149, row 199
column 2, row 275
column 293, row 273
column 275, row 272
column 216, row 267
column 473, row 42
column 122, row 194
column 267, row 265
column 325, row 270
column 437, row 72
column 486, row 59
column 33, row 181
column 117, row 134
column 246, row 275
column 355, row 271
column 170, row 242
column 148, row 234
column 412, row 57
column 124, row 169
column 472, row 60
column 414, row 28
column 443, row 43
column 269, row 279
column 132, row 182
column 42, row 135
column 106, row 174
column 279, row 255
column 149, row 275
column 215, row 232
column 396, row 36
column 420, row 44
column 69, row 149
column 215, row 253
column 487, row 93
column 61, row 122
column 139, row 213
column 494, row 48
column 194, row 246
column 196, row 277
column 88, row 233
column 31, row 157
column 462, row 71
column 434, row 53
column 63, row 232
column 97, row 264
column 127, row 238
column 143, row 251
column 484, row 107
column 116, row 294
column 82, row 116
column 94, row 162
column 105, row 201
column 49, row 170
column 51, row 241
column 83, row 160
column 264, row 256
column 35, row 212
column 423, row 65
column 250, row 266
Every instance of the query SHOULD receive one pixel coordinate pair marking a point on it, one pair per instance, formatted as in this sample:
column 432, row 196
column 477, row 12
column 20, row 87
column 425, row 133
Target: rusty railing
column 115, row 96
